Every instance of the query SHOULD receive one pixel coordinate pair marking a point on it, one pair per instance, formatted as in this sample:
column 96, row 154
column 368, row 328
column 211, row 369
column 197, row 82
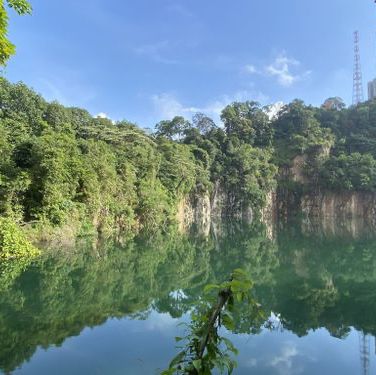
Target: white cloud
column 156, row 52
column 104, row 115
column 168, row 106
column 283, row 363
column 101, row 115
column 250, row 69
column 251, row 362
column 272, row 110
column 282, row 67
column 163, row 323
column 288, row 353
column 178, row 294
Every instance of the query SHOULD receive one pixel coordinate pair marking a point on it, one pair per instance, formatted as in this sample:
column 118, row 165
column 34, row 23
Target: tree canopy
column 61, row 166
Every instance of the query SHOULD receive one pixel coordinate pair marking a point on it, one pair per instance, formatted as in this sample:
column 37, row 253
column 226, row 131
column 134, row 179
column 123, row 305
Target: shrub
column 13, row 242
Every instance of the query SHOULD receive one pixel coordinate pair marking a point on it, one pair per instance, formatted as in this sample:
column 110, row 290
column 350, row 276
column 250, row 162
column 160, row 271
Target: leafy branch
column 6, row 47
column 205, row 349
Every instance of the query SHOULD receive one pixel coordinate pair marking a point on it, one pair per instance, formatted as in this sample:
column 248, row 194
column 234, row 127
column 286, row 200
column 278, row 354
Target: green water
column 115, row 309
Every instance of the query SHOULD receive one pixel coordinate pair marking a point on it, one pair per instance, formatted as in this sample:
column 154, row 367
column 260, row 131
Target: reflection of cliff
column 312, row 280
column 340, row 205
column 65, row 292
column 326, row 282
column 334, row 226
column 60, row 295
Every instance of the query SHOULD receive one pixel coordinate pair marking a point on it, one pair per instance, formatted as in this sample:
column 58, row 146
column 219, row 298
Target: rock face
column 296, row 171
column 205, row 209
column 195, row 210
column 297, row 195
column 348, row 212
column 340, row 205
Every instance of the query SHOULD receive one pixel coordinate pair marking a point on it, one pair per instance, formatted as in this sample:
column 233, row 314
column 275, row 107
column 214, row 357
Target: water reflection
column 314, row 281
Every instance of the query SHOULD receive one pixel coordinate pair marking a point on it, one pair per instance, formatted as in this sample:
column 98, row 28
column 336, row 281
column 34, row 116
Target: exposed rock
column 204, row 210
column 340, row 205
column 297, row 169
column 331, row 226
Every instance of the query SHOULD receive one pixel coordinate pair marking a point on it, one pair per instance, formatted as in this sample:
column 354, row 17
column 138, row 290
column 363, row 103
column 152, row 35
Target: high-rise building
column 372, row 90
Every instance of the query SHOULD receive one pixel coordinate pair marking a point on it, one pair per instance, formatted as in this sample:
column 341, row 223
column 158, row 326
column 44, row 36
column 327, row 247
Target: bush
column 13, row 242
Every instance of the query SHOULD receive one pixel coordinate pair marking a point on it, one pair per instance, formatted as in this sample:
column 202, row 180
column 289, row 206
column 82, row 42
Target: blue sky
column 145, row 60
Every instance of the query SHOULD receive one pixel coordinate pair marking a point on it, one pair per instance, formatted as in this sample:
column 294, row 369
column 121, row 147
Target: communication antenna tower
column 357, row 79
column 364, row 348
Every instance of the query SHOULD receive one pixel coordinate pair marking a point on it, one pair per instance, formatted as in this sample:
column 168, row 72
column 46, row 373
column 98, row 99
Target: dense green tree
column 203, row 123
column 174, row 128
column 61, row 165
column 298, row 131
column 248, row 122
column 349, row 172
column 248, row 174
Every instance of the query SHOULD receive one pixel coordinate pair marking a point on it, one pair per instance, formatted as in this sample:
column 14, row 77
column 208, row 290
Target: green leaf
column 230, row 346
column 170, row 371
column 197, row 363
column 208, row 288
column 228, row 322
column 177, row 338
column 239, row 297
column 177, row 359
column 236, row 286
column 239, row 272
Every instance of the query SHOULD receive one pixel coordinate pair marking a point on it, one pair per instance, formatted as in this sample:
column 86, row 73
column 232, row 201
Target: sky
column 148, row 60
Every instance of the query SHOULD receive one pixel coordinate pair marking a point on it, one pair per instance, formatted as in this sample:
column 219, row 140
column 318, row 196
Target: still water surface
column 113, row 309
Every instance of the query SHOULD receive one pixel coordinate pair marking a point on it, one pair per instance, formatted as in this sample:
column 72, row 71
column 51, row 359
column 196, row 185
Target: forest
column 60, row 167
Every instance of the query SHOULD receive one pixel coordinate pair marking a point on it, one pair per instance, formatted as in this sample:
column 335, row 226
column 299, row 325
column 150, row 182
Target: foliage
column 349, row 172
column 16, row 252
column 204, row 348
column 172, row 128
column 13, row 243
column 6, row 47
column 60, row 164
column 248, row 174
column 297, row 131
column 248, row 122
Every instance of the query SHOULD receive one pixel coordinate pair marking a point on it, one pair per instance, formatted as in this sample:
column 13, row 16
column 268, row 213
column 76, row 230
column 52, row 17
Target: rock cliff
column 206, row 209
column 299, row 194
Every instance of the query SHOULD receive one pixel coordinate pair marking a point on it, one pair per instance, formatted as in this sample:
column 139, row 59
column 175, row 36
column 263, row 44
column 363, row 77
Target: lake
column 107, row 308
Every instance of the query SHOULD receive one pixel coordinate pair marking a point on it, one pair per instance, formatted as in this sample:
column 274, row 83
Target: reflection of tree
column 237, row 246
column 326, row 282
column 310, row 281
column 60, row 295
column 64, row 292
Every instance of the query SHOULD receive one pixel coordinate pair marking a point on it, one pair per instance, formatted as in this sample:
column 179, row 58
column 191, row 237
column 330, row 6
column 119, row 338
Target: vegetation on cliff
column 338, row 145
column 60, row 165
